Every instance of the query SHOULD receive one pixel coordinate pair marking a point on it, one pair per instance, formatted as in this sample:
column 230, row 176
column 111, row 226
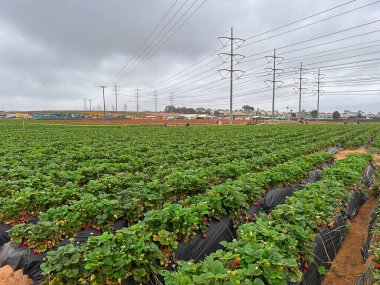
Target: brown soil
column 146, row 121
column 342, row 154
column 376, row 158
column 348, row 264
column 10, row 277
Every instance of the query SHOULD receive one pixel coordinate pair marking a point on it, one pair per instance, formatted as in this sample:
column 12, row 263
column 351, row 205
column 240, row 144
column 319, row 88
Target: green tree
column 170, row 109
column 314, row 114
column 336, row 115
column 248, row 109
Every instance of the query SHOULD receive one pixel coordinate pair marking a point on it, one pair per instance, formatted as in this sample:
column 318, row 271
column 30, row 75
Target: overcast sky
column 55, row 53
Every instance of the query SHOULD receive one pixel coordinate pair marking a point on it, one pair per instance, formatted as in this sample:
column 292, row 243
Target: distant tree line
column 186, row 110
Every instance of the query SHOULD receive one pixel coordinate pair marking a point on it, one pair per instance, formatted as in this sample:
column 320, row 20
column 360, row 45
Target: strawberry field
column 114, row 204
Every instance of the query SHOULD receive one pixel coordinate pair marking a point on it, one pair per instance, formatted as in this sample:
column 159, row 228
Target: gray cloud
column 55, row 53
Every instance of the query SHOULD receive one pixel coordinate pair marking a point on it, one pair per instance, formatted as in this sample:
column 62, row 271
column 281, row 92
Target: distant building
column 22, row 115
column 326, row 116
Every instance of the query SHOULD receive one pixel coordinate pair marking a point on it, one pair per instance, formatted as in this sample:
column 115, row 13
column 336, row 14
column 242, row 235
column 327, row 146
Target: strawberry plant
column 270, row 250
column 167, row 183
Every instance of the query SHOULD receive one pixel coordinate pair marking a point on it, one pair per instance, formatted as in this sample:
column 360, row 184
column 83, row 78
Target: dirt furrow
column 348, row 264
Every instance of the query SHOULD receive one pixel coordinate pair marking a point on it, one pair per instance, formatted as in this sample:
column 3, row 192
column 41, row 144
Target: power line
column 320, row 37
column 193, row 77
column 249, row 74
column 313, row 23
column 347, row 63
column 154, row 39
column 188, row 68
column 325, row 53
column 341, row 58
column 352, row 91
column 145, row 41
column 331, row 34
column 339, row 40
column 331, row 9
column 300, row 20
column 160, row 44
column 323, row 36
column 294, row 22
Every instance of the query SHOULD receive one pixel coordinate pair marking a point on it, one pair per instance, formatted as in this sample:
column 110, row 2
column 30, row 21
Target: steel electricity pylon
column 274, row 71
column 233, row 56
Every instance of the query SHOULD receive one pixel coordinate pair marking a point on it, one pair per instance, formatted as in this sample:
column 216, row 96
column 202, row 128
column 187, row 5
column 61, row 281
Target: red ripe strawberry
column 204, row 236
column 49, row 243
column 206, row 220
column 35, row 251
column 24, row 244
column 36, row 214
column 98, row 229
column 373, row 258
column 377, row 266
column 345, row 205
column 234, row 218
column 82, row 227
column 166, row 265
column 88, row 226
column 235, row 264
column 306, row 266
column 249, row 219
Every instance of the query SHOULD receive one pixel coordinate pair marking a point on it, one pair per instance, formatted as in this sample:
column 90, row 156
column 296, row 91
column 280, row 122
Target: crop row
column 100, row 210
column 196, row 178
column 135, row 169
column 134, row 251
column 376, row 143
column 51, row 174
column 70, row 210
column 71, row 151
column 374, row 249
column 372, row 275
column 80, row 161
column 271, row 250
column 73, row 178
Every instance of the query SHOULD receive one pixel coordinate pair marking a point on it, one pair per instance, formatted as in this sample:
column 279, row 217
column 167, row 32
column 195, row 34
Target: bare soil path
column 10, row 277
column 348, row 265
column 342, row 154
